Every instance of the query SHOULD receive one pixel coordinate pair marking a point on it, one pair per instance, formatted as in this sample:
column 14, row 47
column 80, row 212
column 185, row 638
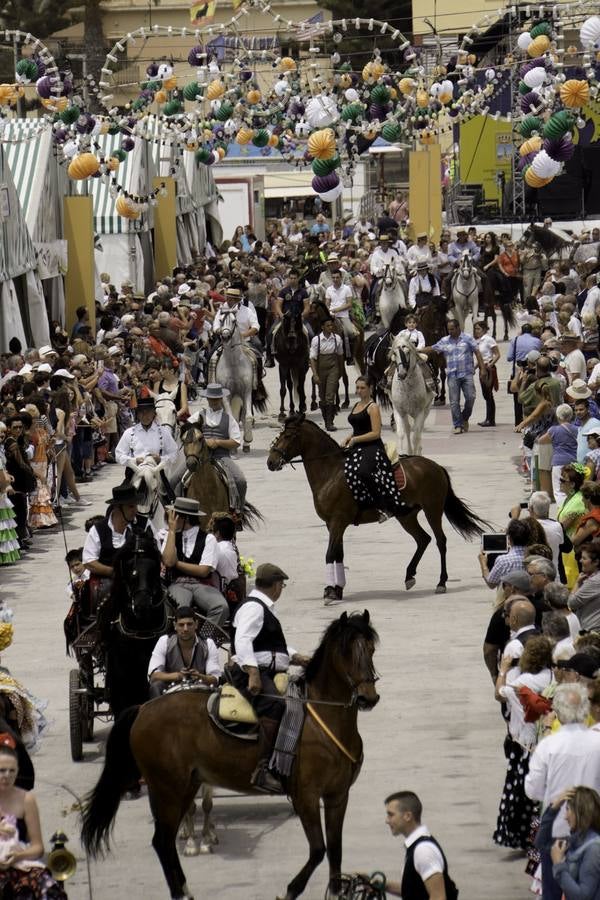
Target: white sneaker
column 68, row 501
column 82, row 502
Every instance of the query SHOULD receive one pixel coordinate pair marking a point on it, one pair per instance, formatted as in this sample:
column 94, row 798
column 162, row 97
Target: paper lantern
column 561, row 149
column 529, row 102
column 372, row 71
column 428, row 138
column 224, row 112
column 112, row 163
column 558, row 124
column 529, row 125
column 321, row 183
column 83, row 166
column 406, row 85
column 192, row 91
column 274, row 140
column 321, row 111
column 538, row 45
column 244, row 136
column 532, row 145
column 351, row 95
column 535, row 77
column 541, row 28
column 253, row 97
column 169, row 84
column 7, row 93
column 325, row 166
column 126, row 208
column 544, row 166
column 589, row 33
column 333, row 194
column 524, row 40
column 221, row 152
column 574, row 93
column 44, row 87
column 422, row 99
column 161, row 96
column 287, row 64
column 321, row 144
column 195, row 55
column 391, row 132
column 26, row 71
column 380, row 94
column 215, row 90
column 261, row 138
column 172, row 108
column 534, row 180
column 345, row 81
column 352, row 112
column 202, row 155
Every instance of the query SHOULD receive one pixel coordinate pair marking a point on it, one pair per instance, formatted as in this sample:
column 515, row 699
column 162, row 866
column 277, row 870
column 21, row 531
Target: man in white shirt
column 147, row 438
column 574, row 363
column 419, row 252
column 425, row 871
column 183, row 655
column 190, row 562
column 245, row 316
column 569, row 756
column 521, row 621
column 260, row 652
column 327, row 365
column 363, row 228
column 383, row 256
column 338, row 299
column 422, row 287
column 105, row 538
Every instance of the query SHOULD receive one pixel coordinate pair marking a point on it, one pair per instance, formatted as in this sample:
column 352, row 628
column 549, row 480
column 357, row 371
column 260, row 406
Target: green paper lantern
column 261, row 138
column 523, row 88
column 26, row 68
column 192, row 91
column 558, row 124
column 119, row 154
column 224, row 112
column 70, row 115
column 391, row 132
column 345, row 67
column 352, row 112
column 541, row 28
column 529, row 125
column 325, row 166
column 202, row 155
column 114, row 129
column 380, row 94
column 151, row 86
column 172, row 108
column 139, row 103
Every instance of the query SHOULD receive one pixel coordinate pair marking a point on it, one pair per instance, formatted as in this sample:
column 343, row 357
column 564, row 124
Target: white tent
column 22, row 309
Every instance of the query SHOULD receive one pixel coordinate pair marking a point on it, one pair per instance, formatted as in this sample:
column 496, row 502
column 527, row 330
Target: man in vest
column 425, row 875
column 327, row 364
column 223, row 436
column 183, row 655
column 106, row 537
column 190, row 563
column 147, row 438
column 260, row 652
column 382, row 257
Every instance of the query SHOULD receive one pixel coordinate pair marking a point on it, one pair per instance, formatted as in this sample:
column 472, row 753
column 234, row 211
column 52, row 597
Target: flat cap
column 270, row 572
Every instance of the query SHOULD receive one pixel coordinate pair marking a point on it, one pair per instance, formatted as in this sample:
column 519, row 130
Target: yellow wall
column 486, row 148
column 79, row 280
column 165, row 229
column 425, row 191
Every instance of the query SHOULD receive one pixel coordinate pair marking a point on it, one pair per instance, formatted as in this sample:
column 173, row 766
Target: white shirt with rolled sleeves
column 339, row 297
column 139, row 441
column 380, row 259
column 210, row 555
column 247, row 623
column 326, row 345
column 416, row 254
column 92, row 546
column 212, row 417
column 427, row 858
column 425, row 284
column 159, row 657
column 245, row 316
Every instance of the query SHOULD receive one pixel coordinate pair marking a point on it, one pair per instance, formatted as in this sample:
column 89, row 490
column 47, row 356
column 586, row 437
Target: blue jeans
column 457, row 384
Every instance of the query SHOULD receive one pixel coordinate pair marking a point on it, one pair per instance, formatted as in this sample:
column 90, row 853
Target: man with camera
column 183, row 656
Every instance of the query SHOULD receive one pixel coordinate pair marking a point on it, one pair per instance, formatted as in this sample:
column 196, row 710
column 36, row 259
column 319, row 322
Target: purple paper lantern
column 529, row 102
column 127, row 144
column 323, row 183
column 539, row 62
column 67, row 87
column 376, row 111
column 60, row 135
column 525, row 161
column 44, row 87
column 245, row 75
column 561, row 150
column 152, row 70
column 195, row 55
column 41, row 66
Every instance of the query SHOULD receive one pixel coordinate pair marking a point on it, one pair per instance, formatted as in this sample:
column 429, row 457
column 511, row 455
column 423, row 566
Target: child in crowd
column 412, row 333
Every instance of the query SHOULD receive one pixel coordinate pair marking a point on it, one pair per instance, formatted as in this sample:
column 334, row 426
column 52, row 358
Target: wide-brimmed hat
column 124, row 493
column 183, row 289
column 64, row 373
column 46, row 350
column 214, row 392
column 578, row 390
column 333, row 257
column 146, row 403
column 581, row 663
column 384, row 237
column 421, row 234
column 591, row 430
column 422, row 264
column 186, row 506
column 45, row 367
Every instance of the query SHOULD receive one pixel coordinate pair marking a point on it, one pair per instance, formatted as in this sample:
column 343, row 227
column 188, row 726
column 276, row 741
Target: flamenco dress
column 9, row 544
column 41, row 514
column 369, row 472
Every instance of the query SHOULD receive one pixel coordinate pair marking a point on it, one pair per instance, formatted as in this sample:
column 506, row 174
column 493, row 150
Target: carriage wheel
column 75, row 718
column 87, row 704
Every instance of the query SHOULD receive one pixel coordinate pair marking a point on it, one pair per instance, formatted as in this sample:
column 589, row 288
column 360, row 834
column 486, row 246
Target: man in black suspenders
column 327, row 364
column 425, row 875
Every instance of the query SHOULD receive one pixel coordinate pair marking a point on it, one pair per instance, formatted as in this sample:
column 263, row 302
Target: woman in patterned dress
column 9, row 544
column 41, row 514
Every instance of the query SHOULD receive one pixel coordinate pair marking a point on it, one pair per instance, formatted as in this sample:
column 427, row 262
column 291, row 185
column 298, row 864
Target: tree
column 357, row 47
column 39, row 17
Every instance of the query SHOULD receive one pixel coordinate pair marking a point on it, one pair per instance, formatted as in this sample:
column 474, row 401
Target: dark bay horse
column 174, row 745
column 428, row 488
column 131, row 620
column 290, row 348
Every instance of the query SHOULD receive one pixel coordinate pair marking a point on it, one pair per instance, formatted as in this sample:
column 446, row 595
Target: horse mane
column 299, row 419
column 340, row 635
column 320, row 306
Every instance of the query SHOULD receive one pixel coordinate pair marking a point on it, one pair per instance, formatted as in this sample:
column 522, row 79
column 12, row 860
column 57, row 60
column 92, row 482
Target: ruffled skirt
column 9, row 544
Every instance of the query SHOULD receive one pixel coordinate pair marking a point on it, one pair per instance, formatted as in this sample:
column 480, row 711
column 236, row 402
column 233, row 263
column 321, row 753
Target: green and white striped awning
column 106, row 218
column 161, row 152
column 27, row 145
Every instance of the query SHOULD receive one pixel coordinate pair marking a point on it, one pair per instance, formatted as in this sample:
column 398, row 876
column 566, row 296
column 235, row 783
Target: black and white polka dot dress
column 513, row 828
column 368, row 470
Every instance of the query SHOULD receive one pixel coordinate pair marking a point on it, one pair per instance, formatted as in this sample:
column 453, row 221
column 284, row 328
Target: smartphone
column 100, row 365
column 494, row 543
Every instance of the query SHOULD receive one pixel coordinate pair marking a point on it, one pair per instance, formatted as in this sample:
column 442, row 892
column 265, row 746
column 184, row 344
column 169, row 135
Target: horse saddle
column 231, row 713
column 214, row 360
column 398, row 469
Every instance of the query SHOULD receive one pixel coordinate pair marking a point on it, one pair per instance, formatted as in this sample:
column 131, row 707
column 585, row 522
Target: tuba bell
column 61, row 862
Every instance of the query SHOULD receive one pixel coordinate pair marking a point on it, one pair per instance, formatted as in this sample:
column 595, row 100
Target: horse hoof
column 410, row 583
column 313, row 406
column 440, row 589
column 246, row 448
column 205, row 848
column 345, row 404
column 191, row 849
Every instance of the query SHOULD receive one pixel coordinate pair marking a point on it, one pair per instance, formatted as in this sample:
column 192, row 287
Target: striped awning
column 163, row 153
column 27, row 145
column 106, row 218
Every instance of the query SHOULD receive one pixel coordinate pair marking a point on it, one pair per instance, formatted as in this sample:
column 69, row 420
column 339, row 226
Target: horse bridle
column 299, row 459
column 405, row 362
column 229, row 313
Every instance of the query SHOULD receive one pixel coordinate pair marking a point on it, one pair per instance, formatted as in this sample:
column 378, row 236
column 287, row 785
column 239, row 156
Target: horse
column 166, row 411
column 235, row 370
column 428, row 488
column 204, row 482
column 152, row 485
column 131, row 620
column 174, row 745
column 465, row 285
column 495, row 283
column 392, row 299
column 411, row 396
column 290, row 349
column 432, row 321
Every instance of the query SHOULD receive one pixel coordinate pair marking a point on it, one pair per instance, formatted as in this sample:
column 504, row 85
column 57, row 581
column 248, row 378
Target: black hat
column 581, row 663
column 124, row 493
column 146, row 403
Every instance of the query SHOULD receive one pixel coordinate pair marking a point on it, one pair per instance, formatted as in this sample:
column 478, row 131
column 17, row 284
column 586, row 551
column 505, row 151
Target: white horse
column 166, row 411
column 392, row 296
column 411, row 397
column 146, row 480
column 465, row 285
column 235, row 371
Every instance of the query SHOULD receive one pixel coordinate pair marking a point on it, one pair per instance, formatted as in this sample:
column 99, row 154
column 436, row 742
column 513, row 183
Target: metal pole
column 83, row 58
column 16, row 60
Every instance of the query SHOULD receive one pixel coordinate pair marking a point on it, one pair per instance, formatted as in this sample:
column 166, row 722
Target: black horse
column 290, row 348
column 131, row 620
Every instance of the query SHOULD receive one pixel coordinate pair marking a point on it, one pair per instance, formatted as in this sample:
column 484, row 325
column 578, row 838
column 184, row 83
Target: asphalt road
column 437, row 729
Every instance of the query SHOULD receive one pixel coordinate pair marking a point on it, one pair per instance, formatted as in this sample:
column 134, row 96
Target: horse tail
column 259, row 400
column 251, row 516
column 467, row 523
column 119, row 773
column 508, row 314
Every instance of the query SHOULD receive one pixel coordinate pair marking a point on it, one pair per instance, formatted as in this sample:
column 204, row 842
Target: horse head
column 166, row 411
column 194, row 444
column 145, row 480
column 403, row 354
column 466, row 264
column 390, row 276
column 292, row 329
column 287, row 444
column 229, row 323
column 345, row 656
column 137, row 574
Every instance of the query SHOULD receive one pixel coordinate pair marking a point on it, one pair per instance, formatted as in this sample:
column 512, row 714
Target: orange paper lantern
column 321, row 144
column 575, row 93
column 532, row 145
column 215, row 90
column 253, row 97
column 83, row 166
column 126, row 208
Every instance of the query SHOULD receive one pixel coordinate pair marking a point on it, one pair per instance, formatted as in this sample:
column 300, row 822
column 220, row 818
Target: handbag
column 514, row 369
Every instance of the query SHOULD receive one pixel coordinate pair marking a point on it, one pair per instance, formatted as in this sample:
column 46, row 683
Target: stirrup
column 266, row 781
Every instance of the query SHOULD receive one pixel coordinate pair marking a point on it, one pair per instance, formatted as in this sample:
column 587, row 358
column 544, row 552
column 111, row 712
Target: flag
column 203, row 12
column 311, row 28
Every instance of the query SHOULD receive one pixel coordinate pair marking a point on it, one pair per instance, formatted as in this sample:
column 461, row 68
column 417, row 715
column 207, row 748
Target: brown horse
column 428, row 488
column 174, row 745
column 204, row 482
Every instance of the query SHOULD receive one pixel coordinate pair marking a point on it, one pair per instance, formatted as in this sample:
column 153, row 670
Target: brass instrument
column 61, row 862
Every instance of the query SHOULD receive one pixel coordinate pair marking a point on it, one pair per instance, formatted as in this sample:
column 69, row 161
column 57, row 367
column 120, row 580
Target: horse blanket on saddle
column 397, row 468
column 252, row 356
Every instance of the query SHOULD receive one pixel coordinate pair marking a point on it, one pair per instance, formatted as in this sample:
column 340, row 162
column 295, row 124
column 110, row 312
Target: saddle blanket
column 214, row 359
column 290, row 729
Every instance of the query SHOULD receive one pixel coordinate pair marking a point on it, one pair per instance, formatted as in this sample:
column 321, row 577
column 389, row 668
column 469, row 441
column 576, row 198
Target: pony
column 235, row 370
column 291, row 349
column 392, row 299
column 173, row 744
column 465, row 285
column 428, row 488
column 131, row 620
column 411, row 396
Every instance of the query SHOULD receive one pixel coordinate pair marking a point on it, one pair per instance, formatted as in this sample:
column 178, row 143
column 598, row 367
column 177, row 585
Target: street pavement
column 437, row 729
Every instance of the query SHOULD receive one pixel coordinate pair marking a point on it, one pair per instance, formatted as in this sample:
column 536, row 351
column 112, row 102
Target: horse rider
column 462, row 244
column 260, row 651
column 247, row 321
column 327, row 364
column 533, row 262
column 381, row 258
column 326, row 278
column 397, row 244
column 338, row 299
column 292, row 299
column 106, row 537
column 422, row 286
column 191, row 562
column 183, row 656
column 419, row 251
column 146, row 438
column 223, row 436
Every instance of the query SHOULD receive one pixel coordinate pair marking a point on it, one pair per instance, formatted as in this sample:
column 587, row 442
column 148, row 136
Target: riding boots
column 329, row 424
column 263, row 779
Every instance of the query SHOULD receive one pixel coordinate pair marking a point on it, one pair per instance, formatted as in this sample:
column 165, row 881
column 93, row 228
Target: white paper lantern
column 535, row 77
column 490, row 74
column 447, row 87
column 589, row 32
column 282, row 87
column 302, row 128
column 164, row 71
column 70, row 149
column 351, row 95
column 544, row 166
column 524, row 40
column 333, row 194
column 436, row 89
column 321, row 111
